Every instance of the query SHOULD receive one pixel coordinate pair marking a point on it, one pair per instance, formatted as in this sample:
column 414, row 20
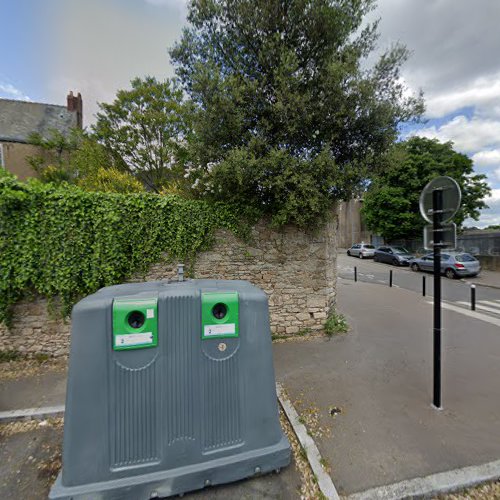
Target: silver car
column 453, row 264
column 397, row 256
column 361, row 250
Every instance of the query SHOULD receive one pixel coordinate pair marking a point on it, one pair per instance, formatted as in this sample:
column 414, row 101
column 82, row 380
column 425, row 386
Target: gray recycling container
column 170, row 389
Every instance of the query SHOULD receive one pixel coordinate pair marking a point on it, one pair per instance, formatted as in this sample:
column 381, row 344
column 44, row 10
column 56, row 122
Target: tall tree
column 146, row 127
column 285, row 84
column 390, row 205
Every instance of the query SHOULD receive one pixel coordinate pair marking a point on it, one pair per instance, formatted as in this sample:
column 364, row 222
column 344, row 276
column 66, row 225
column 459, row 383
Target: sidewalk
column 367, row 394
column 486, row 278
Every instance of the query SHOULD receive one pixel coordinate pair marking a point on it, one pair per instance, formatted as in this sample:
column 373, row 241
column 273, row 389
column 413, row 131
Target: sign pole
column 437, row 217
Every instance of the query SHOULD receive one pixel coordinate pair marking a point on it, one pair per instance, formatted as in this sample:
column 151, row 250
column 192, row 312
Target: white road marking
column 495, row 303
column 471, row 314
column 480, row 306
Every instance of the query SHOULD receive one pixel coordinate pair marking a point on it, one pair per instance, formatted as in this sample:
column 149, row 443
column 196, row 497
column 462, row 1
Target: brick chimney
column 75, row 104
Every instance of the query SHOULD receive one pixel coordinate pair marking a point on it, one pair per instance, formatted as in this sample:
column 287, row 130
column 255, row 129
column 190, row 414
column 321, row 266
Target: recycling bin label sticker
column 216, row 330
column 134, row 339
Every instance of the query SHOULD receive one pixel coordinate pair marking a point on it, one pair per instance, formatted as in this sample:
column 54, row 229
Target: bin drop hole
column 136, row 319
column 219, row 310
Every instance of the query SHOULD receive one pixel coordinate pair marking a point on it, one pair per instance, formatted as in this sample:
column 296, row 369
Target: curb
column 495, row 287
column 325, row 482
column 434, row 484
column 32, row 413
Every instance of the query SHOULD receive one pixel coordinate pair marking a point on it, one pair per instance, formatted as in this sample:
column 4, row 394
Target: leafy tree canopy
column 284, row 86
column 77, row 158
column 146, row 127
column 391, row 206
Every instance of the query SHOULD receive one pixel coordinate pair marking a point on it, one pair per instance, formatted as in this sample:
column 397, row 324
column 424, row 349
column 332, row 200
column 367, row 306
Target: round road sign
column 451, row 198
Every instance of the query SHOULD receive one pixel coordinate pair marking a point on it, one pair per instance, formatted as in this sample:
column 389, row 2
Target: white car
column 361, row 250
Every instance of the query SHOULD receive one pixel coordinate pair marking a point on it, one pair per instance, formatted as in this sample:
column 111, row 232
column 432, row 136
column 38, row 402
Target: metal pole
column 355, row 273
column 473, row 297
column 437, row 208
column 390, row 277
column 180, row 272
column 423, row 286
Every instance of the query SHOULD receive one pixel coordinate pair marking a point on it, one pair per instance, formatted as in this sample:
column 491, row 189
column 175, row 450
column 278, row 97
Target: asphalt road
column 378, row 378
column 457, row 292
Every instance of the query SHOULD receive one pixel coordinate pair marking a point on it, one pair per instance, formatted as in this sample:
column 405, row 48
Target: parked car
column 397, row 256
column 453, row 264
column 361, row 250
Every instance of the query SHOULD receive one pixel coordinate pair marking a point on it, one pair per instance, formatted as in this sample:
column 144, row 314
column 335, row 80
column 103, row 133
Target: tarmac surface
column 44, row 389
column 378, row 380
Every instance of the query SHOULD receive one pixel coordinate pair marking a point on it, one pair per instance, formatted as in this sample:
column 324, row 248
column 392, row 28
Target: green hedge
column 64, row 242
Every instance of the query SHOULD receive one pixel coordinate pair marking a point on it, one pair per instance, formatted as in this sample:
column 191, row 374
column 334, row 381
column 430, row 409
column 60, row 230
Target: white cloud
column 125, row 43
column 10, row 91
column 470, row 135
column 167, row 2
column 487, row 158
column 482, row 93
column 491, row 215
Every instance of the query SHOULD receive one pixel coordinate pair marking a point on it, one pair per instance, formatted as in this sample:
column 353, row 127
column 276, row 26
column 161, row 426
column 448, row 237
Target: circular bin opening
column 136, row 319
column 219, row 310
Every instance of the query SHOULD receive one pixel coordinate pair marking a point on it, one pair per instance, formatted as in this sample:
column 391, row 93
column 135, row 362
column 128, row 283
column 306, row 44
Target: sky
column 97, row 46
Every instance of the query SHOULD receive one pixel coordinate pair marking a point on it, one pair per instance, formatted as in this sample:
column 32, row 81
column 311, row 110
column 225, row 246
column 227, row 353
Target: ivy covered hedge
column 64, row 242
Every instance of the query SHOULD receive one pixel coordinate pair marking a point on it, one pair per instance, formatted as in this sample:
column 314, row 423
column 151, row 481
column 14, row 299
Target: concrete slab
column 380, row 376
column 40, row 389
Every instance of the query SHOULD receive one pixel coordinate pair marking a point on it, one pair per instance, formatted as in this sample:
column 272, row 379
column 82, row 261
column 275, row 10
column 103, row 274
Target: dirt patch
column 310, row 415
column 489, row 491
column 30, row 458
column 309, row 489
column 18, row 426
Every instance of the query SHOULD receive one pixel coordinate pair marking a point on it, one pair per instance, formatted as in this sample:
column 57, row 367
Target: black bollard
column 423, row 286
column 473, row 297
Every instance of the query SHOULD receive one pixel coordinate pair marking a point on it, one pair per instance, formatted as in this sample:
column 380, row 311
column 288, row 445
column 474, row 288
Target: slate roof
column 19, row 119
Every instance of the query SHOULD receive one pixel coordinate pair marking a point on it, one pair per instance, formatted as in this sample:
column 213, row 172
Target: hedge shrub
column 61, row 241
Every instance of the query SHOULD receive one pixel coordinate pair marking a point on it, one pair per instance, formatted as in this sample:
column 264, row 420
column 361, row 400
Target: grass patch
column 335, row 324
column 303, row 332
column 41, row 357
column 7, row 356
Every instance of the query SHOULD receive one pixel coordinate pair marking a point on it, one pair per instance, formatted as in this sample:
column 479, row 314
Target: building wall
column 351, row 226
column 14, row 158
column 296, row 269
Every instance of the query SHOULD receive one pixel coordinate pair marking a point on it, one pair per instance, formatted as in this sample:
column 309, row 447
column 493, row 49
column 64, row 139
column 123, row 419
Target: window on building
column 2, row 164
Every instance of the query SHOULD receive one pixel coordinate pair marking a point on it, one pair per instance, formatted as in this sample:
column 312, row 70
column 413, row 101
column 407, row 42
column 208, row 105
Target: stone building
column 352, row 228
column 19, row 119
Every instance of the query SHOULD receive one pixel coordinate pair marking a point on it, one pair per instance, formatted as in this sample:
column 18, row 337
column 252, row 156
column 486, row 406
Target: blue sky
column 97, row 46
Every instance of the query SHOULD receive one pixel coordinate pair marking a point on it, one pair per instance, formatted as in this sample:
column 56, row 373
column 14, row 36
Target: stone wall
column 296, row 269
